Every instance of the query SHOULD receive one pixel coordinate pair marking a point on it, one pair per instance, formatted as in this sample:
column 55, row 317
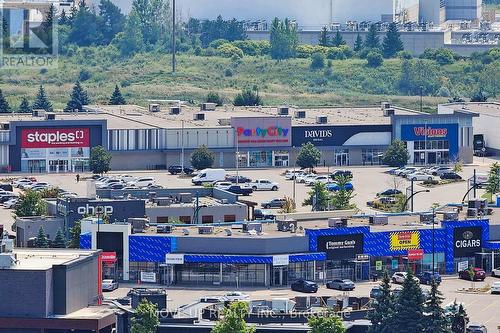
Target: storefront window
column 243, row 159
column 372, row 156
column 281, row 158
column 261, row 159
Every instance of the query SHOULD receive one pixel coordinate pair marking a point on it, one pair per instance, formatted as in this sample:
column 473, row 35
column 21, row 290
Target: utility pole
column 182, row 148
column 173, row 37
column 421, row 94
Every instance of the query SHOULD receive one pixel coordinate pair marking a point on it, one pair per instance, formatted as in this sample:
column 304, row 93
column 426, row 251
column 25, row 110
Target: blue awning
column 249, row 259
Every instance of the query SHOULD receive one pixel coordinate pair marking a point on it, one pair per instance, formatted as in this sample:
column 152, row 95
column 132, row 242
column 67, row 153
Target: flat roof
column 486, row 108
column 202, row 202
column 43, row 259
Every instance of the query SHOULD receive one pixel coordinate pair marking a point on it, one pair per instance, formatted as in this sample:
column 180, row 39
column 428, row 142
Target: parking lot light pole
column 182, row 148
column 411, row 197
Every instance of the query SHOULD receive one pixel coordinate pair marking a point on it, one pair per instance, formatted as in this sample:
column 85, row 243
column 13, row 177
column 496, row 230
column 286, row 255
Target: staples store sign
column 263, row 131
column 55, row 137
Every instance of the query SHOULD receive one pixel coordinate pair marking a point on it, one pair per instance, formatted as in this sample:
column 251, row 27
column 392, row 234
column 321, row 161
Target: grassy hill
column 148, row 76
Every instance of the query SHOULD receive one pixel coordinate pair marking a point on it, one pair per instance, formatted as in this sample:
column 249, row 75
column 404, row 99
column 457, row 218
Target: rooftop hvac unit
column 450, row 216
column 208, row 106
column 164, row 229
column 184, row 197
column 175, row 110
column 286, row 225
column 472, row 212
column 300, row 114
column 38, row 113
column 321, row 119
column 379, row 220
column 225, row 122
column 385, row 105
column 426, row 217
column 389, row 112
column 337, row 222
column 138, row 224
column 5, row 126
column 477, row 203
column 206, row 230
column 154, row 107
column 50, row 116
column 199, row 116
column 283, row 110
column 163, row 201
column 247, row 227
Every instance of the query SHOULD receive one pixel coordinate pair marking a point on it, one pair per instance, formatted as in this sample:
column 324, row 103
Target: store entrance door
column 342, row 157
column 280, row 276
column 58, row 166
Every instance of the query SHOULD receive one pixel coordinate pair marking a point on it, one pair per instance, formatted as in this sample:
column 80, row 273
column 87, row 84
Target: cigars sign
column 55, row 137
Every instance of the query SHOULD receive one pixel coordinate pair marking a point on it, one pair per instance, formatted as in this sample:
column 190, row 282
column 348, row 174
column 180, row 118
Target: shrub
column 84, row 75
column 210, row 52
column 317, row 61
column 248, row 97
column 404, row 55
column 228, row 50
column 431, row 182
column 340, row 52
column 228, row 72
column 444, row 57
column 198, row 51
column 214, row 97
column 253, row 47
column 306, row 50
column 444, row 92
column 218, row 42
column 374, row 59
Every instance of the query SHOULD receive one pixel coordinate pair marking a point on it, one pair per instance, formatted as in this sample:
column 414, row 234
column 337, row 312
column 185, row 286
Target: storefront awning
column 249, row 259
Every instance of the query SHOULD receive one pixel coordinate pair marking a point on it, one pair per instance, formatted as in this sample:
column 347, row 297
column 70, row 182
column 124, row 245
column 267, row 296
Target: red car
column 479, row 274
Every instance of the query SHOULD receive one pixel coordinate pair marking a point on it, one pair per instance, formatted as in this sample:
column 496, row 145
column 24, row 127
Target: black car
column 176, row 169
column 304, row 286
column 338, row 173
column 389, row 192
column 237, row 179
column 5, row 198
column 6, row 187
column 261, row 214
column 451, row 175
column 237, row 189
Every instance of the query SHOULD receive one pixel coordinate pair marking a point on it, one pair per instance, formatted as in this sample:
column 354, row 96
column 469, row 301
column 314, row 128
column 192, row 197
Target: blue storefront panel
column 150, row 248
column 423, row 132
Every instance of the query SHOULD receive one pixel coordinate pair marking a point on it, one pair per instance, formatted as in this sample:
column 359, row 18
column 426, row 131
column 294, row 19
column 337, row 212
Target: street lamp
column 411, row 197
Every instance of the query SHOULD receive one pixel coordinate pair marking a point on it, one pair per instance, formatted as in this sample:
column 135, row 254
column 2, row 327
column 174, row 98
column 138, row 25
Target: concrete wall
column 136, row 160
column 463, row 9
column 218, row 212
column 29, row 227
column 494, row 232
column 488, row 126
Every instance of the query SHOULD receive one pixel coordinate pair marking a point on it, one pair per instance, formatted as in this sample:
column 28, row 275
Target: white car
column 495, row 288
column 107, row 182
column 263, row 184
column 143, row 182
column 495, row 272
column 109, row 285
column 399, row 278
column 37, row 184
column 10, row 203
column 223, row 185
column 22, row 182
column 302, row 178
column 419, row 175
column 308, row 178
column 318, row 179
column 127, row 178
column 294, row 174
column 236, row 296
column 404, row 171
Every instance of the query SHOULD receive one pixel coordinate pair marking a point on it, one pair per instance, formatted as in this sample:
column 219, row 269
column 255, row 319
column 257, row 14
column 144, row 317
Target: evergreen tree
column 358, row 44
column 372, row 40
column 42, row 101
column 341, row 199
column 459, row 319
column 111, row 20
column 74, row 232
column 409, row 308
column 72, row 14
column 85, row 27
column 59, row 241
column 131, row 39
column 63, row 18
column 24, row 107
column 338, row 40
column 4, row 105
column 41, row 239
column 50, row 17
column 323, row 37
column 78, row 98
column 382, row 317
column 283, row 39
column 392, row 43
column 318, row 197
column 145, row 318
column 117, row 98
column 436, row 321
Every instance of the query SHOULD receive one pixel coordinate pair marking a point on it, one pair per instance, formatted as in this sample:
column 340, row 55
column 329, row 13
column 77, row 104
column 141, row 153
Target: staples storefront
column 59, row 148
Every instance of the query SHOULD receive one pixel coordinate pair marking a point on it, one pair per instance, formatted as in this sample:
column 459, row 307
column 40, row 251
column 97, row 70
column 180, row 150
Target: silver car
column 340, row 284
column 109, row 285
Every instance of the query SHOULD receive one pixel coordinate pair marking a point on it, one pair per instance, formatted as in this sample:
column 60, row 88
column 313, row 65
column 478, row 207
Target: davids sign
column 467, row 241
column 341, row 246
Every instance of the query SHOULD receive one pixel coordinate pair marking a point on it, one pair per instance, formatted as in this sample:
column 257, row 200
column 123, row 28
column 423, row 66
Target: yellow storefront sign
column 405, row 240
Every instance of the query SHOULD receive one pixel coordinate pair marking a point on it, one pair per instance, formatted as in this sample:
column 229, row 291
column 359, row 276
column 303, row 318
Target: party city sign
column 262, row 131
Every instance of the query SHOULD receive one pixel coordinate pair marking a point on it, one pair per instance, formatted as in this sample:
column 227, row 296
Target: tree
column 330, row 323
column 283, row 39
column 111, row 20
column 202, row 158
column 31, row 204
column 85, row 28
column 308, row 156
column 341, row 199
column 49, row 18
column 392, row 43
column 213, row 97
column 436, row 321
column 382, row 317
column 131, row 40
column 154, row 18
column 41, row 240
column 145, row 318
column 417, row 74
column 233, row 320
column 479, row 96
column 248, row 97
column 74, row 232
column 323, row 37
column 63, row 18
column 100, row 160
column 24, row 107
column 493, row 182
column 372, row 40
column 396, row 155
column 289, row 206
column 358, row 43
column 78, row 98
column 116, row 97
column 42, row 101
column 374, row 59
column 338, row 40
column 409, row 307
column 59, row 241
column 318, row 197
column 4, row 105
column 317, row 61
column 459, row 319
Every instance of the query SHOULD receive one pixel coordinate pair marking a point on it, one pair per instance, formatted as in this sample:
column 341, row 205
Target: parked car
column 9, row 204
column 495, row 288
column 395, row 170
column 302, row 177
column 176, row 169
column 304, row 286
column 273, row 203
column 337, row 173
column 318, row 179
column 263, row 184
column 240, row 190
column 116, row 186
column 209, row 176
column 238, row 179
column 426, row 277
column 291, row 175
column 419, row 175
column 262, row 214
column 223, row 185
column 213, row 299
column 109, row 285
column 389, row 192
column 127, row 178
column 399, row 277
column 376, row 292
column 334, row 187
column 440, row 170
column 405, row 170
column 476, row 328
column 382, row 201
column 236, row 296
column 35, row 184
column 107, row 182
column 6, row 187
column 450, row 175
column 143, row 182
column 341, row 284
column 495, row 272
column 7, row 197
column 479, row 274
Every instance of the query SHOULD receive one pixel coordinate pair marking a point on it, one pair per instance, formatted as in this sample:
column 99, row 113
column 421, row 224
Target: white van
column 209, row 176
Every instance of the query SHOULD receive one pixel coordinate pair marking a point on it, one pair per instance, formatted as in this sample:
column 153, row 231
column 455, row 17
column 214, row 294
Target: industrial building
column 264, row 137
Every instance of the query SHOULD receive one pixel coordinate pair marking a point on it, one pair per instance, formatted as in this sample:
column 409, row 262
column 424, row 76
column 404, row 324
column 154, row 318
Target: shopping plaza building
column 256, row 137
